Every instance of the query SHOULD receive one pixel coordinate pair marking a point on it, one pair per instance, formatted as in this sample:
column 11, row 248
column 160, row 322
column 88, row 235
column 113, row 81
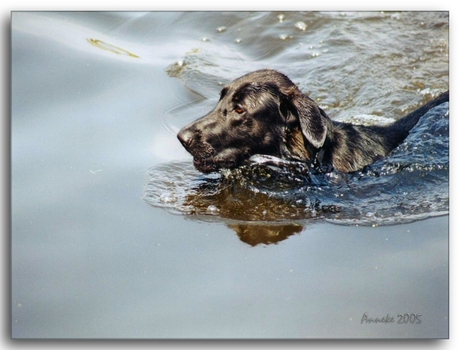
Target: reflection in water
column 254, row 234
column 257, row 217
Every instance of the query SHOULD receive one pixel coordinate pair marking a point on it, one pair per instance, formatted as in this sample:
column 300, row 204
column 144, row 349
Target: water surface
column 103, row 248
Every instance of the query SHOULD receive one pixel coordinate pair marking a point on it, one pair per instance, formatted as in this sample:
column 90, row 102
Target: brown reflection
column 262, row 217
column 254, row 234
column 251, row 197
column 263, row 205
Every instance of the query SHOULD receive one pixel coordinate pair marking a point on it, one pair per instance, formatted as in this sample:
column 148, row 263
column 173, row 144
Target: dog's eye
column 239, row 110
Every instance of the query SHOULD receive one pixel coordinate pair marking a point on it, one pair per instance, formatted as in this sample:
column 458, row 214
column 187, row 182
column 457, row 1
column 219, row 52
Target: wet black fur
column 264, row 112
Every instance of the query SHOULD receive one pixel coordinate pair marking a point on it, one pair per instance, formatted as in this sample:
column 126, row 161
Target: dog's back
column 352, row 147
column 401, row 128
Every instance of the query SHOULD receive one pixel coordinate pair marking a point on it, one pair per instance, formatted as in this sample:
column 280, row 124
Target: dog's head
column 262, row 112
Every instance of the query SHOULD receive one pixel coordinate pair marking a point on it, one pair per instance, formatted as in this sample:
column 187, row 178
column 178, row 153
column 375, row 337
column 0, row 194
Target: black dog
column 264, row 112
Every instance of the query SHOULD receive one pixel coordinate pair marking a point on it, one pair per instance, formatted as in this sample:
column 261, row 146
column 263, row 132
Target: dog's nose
column 185, row 137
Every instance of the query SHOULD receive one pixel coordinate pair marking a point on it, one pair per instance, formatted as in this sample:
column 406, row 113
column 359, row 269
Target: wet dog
column 264, row 112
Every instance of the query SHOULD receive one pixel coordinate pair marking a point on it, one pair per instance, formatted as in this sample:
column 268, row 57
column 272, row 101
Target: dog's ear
column 313, row 120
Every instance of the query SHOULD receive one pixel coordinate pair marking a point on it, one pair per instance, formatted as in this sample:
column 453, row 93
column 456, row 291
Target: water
column 115, row 235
